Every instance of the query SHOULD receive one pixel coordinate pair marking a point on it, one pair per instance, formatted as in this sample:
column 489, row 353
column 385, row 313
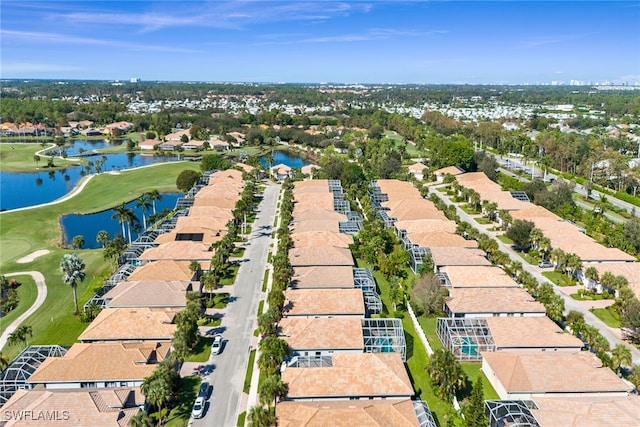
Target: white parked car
column 198, row 408
column 216, row 347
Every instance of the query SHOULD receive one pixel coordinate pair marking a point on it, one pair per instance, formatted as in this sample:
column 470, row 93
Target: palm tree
column 621, row 355
column 592, row 274
column 516, row 268
column 20, row 335
column 159, row 388
column 558, row 257
column 141, row 419
column 154, row 196
column 273, row 351
column 535, row 236
column 144, row 203
column 102, row 238
column 4, row 361
column 78, row 241
column 259, row 416
column 72, row 268
column 446, row 373
column 271, row 389
column 574, row 263
column 124, row 215
column 36, row 158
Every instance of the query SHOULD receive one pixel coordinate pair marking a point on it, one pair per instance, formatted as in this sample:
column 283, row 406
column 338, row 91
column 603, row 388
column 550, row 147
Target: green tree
column 77, row 242
column 72, row 268
column 155, row 196
column 187, row 179
column 4, row 361
column 475, row 415
column 260, row 416
column 273, row 351
column 621, row 356
column 124, row 215
column 520, row 233
column 214, row 162
column 20, row 336
column 144, row 203
column 141, row 419
column 160, row 388
column 102, row 237
column 428, row 295
column 446, row 374
column 36, row 158
column 271, row 389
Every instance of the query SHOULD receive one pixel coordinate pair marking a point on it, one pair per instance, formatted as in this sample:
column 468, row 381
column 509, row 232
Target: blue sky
column 325, row 41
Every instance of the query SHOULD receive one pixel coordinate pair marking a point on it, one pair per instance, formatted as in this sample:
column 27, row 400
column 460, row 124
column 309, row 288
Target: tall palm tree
column 20, row 335
column 141, row 419
column 72, row 268
column 621, row 355
column 120, row 213
column 446, row 373
column 144, row 203
column 102, row 237
column 271, row 389
column 273, row 351
column 154, row 196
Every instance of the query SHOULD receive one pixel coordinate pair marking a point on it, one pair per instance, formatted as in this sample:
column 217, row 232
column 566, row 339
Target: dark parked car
column 205, row 390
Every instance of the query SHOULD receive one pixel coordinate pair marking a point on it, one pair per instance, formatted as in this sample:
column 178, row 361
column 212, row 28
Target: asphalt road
column 579, row 188
column 569, row 303
column 226, row 370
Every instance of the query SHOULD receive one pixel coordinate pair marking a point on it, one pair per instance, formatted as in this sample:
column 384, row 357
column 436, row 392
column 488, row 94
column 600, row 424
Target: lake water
column 89, row 225
column 285, row 158
column 80, row 146
column 26, row 189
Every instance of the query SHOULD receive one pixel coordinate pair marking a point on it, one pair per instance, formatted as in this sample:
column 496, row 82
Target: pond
column 80, row 146
column 89, row 225
column 285, row 158
column 32, row 188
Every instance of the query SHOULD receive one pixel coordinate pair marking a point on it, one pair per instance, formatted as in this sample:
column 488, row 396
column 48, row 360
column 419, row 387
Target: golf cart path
column 41, row 286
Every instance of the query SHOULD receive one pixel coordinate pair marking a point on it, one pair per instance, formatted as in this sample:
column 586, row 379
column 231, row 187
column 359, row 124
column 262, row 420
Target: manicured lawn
column 23, row 232
column 608, row 316
column 264, row 280
column 397, row 139
column 27, row 293
column 249, row 373
column 201, row 351
column 429, row 327
column 179, row 416
column 241, row 419
column 238, row 253
column 229, row 275
column 220, row 300
column 504, row 239
column 472, row 369
column 484, row 221
column 260, row 307
column 20, row 157
column 469, row 209
column 558, row 278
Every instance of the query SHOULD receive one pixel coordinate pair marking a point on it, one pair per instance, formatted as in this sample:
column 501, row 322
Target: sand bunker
column 32, row 256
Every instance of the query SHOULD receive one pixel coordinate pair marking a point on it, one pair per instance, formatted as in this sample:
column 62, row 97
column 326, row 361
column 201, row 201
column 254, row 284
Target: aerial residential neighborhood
column 319, row 214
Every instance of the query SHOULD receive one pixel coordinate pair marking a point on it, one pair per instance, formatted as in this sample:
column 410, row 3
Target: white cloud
column 61, row 39
column 34, row 67
column 372, row 34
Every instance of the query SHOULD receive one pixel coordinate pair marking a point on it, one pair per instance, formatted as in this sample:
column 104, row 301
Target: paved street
column 569, row 303
column 226, row 371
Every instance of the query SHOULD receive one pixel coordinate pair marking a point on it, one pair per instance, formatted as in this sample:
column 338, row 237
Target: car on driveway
column 545, row 264
column 198, row 408
column 216, row 346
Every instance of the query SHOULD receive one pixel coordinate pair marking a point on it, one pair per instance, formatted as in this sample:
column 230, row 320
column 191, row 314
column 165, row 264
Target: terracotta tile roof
column 412, row 209
column 316, row 214
column 489, row 190
column 148, row 294
column 322, row 277
column 352, row 375
column 343, row 413
column 493, row 300
column 324, row 302
column 210, row 212
column 82, row 407
column 530, row 332
column 320, row 255
column 588, row 412
column 308, row 169
column 314, row 200
column 194, row 234
column 425, row 225
column 453, row 255
column 630, row 270
column 440, row 238
column 197, row 222
column 553, row 372
column 321, row 238
column 231, row 174
column 321, row 183
column 315, row 225
column 417, row 167
column 179, row 251
column 244, row 167
column 397, row 189
column 95, row 362
column 162, row 270
column 324, row 333
column 131, row 324
column 451, row 170
column 465, row 276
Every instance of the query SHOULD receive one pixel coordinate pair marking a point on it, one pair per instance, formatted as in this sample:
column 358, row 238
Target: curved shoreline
column 80, row 186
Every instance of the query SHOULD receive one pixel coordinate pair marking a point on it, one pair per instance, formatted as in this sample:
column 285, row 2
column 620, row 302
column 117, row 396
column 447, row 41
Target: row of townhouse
column 182, row 139
column 537, row 369
column 97, row 381
column 562, row 233
column 345, row 368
